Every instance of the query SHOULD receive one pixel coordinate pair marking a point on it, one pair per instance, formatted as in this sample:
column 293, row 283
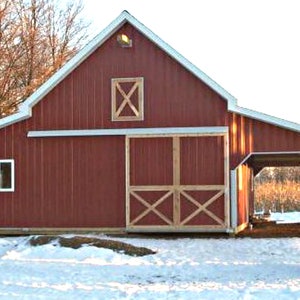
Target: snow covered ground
column 183, row 268
column 288, row 217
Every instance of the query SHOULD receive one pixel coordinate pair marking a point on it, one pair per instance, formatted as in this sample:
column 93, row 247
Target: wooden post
column 234, row 221
column 226, row 180
column 176, row 180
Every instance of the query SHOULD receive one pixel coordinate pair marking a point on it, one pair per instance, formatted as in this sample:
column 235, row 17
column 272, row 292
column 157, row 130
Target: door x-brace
column 153, row 208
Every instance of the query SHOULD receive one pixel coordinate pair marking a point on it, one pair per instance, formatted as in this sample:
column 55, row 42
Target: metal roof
column 26, row 107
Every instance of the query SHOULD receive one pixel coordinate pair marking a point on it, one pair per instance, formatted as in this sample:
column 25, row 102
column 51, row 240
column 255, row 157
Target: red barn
column 131, row 136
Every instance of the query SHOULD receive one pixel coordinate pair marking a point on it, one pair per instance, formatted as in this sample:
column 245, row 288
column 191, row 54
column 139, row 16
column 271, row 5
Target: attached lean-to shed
column 131, row 136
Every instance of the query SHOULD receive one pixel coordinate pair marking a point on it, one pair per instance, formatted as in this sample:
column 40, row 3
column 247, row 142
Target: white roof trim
column 131, row 131
column 265, row 118
column 25, row 108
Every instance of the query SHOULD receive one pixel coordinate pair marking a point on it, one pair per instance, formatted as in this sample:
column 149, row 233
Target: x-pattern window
column 127, row 99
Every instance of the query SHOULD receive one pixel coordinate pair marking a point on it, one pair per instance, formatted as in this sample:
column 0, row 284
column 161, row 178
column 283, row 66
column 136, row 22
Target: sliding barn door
column 177, row 183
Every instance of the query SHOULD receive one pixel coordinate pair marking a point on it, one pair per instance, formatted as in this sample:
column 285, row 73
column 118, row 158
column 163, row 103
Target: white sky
column 249, row 47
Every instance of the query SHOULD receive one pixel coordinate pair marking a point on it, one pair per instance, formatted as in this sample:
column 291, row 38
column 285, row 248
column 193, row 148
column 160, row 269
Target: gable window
column 7, row 173
column 127, row 99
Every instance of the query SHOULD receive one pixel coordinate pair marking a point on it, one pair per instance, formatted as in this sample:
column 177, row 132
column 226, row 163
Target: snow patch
column 288, row 217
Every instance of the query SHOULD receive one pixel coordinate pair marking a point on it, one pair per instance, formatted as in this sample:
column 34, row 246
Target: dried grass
column 277, row 196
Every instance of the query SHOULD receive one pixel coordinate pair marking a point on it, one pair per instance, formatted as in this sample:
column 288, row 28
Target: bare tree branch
column 36, row 38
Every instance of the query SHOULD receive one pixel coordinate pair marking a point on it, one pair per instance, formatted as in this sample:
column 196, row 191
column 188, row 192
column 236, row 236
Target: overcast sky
column 249, row 47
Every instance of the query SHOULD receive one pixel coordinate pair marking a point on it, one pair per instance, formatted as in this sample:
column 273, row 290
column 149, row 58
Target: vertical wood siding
column 67, row 182
column 151, row 161
column 71, row 182
column 172, row 95
column 248, row 135
column 244, row 194
column 177, row 182
column 272, row 138
column 241, row 138
column 202, row 160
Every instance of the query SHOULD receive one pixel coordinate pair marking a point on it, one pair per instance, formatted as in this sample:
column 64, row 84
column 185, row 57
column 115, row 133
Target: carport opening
column 276, row 185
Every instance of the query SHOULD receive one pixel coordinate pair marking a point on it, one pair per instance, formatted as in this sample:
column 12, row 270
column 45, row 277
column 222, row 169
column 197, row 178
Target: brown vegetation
column 76, row 242
column 278, row 189
column 278, row 196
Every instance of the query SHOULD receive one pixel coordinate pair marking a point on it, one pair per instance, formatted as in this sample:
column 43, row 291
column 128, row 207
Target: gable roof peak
column 125, row 12
column 26, row 107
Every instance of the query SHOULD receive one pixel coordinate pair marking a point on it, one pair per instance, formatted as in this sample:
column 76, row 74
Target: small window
column 127, row 95
column 7, row 175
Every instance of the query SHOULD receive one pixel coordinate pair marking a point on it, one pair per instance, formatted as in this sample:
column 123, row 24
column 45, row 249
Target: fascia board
column 265, row 118
column 17, row 117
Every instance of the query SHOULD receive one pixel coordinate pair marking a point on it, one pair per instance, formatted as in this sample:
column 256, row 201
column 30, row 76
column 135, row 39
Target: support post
column 233, row 195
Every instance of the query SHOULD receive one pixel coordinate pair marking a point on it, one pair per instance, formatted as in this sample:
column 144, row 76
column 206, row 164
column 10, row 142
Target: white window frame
column 12, row 163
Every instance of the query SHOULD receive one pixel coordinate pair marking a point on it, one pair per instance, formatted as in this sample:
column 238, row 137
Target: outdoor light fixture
column 124, row 40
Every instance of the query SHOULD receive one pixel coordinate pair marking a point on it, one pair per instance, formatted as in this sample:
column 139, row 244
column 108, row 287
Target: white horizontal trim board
column 219, row 130
column 188, row 229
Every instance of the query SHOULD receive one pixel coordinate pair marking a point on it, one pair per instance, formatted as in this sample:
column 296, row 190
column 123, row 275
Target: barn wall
column 241, row 138
column 273, row 138
column 173, row 96
column 248, row 135
column 64, row 182
column 71, row 182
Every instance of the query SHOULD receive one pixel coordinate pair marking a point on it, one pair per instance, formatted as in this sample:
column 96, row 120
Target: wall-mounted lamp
column 124, row 40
